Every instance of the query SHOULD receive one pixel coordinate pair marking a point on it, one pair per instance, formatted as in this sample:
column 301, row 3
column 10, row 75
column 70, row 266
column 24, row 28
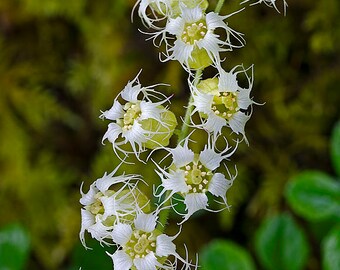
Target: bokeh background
column 62, row 62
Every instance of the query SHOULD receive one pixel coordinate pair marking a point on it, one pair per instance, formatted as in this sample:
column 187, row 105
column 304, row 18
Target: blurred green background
column 62, row 62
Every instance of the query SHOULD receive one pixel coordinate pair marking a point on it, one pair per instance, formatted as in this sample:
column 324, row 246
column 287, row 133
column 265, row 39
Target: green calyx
column 209, row 86
column 176, row 5
column 199, row 59
column 160, row 131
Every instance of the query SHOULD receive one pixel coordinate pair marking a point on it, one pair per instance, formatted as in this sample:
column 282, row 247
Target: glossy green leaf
column 281, row 245
column 225, row 255
column 14, row 247
column 331, row 250
column 335, row 148
column 314, row 195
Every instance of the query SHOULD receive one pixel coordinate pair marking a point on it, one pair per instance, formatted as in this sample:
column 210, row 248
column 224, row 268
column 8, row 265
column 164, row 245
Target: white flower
column 195, row 38
column 223, row 102
column 142, row 246
column 102, row 207
column 131, row 120
column 269, row 3
column 193, row 176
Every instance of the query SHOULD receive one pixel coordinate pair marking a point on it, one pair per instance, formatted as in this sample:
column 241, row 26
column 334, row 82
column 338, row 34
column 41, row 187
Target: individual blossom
column 196, row 44
column 138, row 121
column 193, row 175
column 142, row 246
column 269, row 3
column 221, row 101
column 110, row 199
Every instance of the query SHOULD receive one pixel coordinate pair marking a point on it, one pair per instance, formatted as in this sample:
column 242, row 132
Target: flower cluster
column 115, row 211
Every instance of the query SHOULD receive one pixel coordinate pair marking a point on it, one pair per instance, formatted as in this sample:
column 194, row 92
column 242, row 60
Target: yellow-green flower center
column 225, row 105
column 197, row 177
column 132, row 112
column 140, row 244
column 194, row 32
column 97, row 206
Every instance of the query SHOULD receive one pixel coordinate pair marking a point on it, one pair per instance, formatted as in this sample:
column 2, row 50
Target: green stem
column 164, row 214
column 219, row 6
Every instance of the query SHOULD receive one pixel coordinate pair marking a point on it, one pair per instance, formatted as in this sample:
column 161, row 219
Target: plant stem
column 190, row 107
column 219, row 6
column 164, row 214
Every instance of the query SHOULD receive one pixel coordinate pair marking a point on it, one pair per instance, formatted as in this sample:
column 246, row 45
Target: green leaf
column 14, row 247
column 335, row 148
column 281, row 245
column 225, row 255
column 94, row 258
column 314, row 195
column 331, row 250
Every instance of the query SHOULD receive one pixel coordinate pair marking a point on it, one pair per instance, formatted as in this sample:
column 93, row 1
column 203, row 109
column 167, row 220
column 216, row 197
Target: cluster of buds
column 115, row 211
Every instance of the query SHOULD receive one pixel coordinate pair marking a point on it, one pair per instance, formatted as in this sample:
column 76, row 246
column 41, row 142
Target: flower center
column 140, row 244
column 197, row 177
column 194, row 32
column 97, row 206
column 225, row 105
column 132, row 112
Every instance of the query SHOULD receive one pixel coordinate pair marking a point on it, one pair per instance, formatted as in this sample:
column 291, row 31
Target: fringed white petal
column 112, row 133
column 181, row 51
column 115, row 112
column 146, row 222
column 88, row 198
column 214, row 123
column 227, row 82
column 243, row 99
column 121, row 260
column 219, row 185
column 136, row 134
column 182, row 156
column 191, row 15
column 87, row 220
column 210, row 43
column 121, row 233
column 175, row 182
column 130, row 92
column 238, row 122
column 202, row 102
column 99, row 231
column 210, row 159
column 150, row 110
column 108, row 180
column 149, row 262
column 164, row 246
column 214, row 21
column 195, row 202
column 175, row 26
